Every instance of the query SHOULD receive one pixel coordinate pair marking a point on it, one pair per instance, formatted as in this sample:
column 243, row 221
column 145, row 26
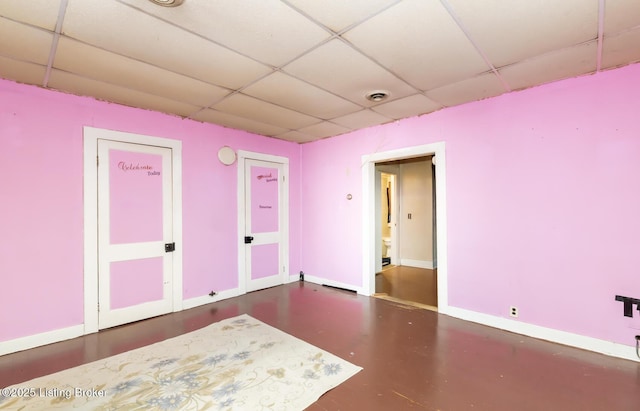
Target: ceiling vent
column 377, row 96
column 167, row 3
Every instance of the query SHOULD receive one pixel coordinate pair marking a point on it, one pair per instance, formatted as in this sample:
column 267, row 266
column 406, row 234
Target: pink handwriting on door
column 124, row 166
column 269, row 177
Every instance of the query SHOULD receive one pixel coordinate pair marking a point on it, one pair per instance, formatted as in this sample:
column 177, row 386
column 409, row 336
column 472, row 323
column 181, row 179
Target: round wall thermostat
column 227, row 156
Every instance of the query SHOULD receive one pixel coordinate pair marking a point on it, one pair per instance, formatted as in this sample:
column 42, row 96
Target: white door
column 135, row 232
column 265, row 245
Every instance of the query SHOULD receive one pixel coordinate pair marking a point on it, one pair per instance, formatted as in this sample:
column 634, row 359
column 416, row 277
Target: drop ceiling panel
column 41, row 13
column 101, row 65
column 232, row 121
column 407, row 107
column 571, row 62
column 22, row 42
column 361, row 119
column 21, row 71
column 621, row 15
column 324, row 129
column 340, row 14
column 338, row 68
column 428, row 50
column 69, row 82
column 511, row 31
column 477, row 88
column 296, row 137
column 297, row 95
column 621, row 49
column 249, row 107
column 266, row 30
column 281, row 67
column 158, row 43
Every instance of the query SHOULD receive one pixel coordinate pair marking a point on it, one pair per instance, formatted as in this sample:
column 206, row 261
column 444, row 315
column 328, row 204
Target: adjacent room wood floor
column 418, row 285
column 412, row 358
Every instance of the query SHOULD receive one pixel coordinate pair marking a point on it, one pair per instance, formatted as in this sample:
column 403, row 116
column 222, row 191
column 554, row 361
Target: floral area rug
column 236, row 364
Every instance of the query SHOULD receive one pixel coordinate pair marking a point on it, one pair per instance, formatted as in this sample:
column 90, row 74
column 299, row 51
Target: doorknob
column 248, row 239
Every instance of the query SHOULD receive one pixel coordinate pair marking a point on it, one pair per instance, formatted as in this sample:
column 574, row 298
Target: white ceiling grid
column 300, row 70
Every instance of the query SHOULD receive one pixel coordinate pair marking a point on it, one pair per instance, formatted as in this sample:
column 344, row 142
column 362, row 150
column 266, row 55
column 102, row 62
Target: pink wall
column 41, row 206
column 543, row 193
column 543, row 197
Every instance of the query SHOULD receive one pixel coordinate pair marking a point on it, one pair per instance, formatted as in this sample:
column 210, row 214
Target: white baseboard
column 561, row 337
column 37, row 340
column 207, row 299
column 417, row 263
column 50, row 337
column 324, row 281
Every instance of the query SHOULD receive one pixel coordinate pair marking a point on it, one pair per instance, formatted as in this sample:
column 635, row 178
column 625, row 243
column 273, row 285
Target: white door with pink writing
column 264, row 239
column 135, row 232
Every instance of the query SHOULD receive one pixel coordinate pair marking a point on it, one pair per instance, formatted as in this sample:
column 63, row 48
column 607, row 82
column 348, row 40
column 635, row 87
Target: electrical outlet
column 513, row 311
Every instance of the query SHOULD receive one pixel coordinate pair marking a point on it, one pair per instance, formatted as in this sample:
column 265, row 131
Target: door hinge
column 169, row 247
column 97, row 161
column 98, row 307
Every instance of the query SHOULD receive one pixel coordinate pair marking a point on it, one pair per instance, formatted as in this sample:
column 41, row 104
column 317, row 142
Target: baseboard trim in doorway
column 417, row 263
column 385, row 296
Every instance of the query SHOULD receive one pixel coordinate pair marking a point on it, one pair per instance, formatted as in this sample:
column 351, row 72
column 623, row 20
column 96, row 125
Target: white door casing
column 368, row 215
column 263, row 215
column 129, row 257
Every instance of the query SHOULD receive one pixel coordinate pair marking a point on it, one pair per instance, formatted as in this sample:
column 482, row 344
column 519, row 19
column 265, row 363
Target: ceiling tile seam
column 257, row 79
column 345, row 29
column 425, row 94
column 467, row 34
column 379, row 64
column 263, row 122
column 20, row 60
column 284, row 71
column 62, row 10
column 273, row 70
column 621, row 32
column 338, row 36
column 601, row 8
column 547, row 53
column 320, row 119
column 280, row 68
column 164, row 69
column 121, row 87
column 197, row 35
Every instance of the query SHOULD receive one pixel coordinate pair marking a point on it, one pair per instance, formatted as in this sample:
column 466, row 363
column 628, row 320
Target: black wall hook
column 628, row 304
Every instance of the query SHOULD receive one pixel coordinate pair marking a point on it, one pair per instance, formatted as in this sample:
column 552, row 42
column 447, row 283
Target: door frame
column 369, row 216
column 91, row 135
column 393, row 172
column 283, row 214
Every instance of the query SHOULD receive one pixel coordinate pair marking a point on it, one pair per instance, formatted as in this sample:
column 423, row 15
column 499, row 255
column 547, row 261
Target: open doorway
column 371, row 214
column 407, row 225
